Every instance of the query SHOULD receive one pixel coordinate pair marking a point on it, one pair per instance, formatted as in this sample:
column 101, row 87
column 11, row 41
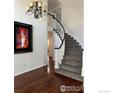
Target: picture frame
column 22, row 38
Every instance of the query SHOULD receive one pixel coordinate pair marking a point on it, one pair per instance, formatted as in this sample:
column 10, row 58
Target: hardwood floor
column 39, row 81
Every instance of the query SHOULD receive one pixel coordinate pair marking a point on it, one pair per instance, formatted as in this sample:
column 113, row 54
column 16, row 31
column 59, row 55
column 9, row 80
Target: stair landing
column 69, row 74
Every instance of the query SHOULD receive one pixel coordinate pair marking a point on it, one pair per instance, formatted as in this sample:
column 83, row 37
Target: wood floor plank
column 39, row 81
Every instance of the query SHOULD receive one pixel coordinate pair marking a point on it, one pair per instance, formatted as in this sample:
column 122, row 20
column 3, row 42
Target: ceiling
column 52, row 4
column 72, row 11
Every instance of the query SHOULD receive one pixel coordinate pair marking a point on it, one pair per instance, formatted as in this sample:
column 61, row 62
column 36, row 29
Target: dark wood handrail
column 61, row 26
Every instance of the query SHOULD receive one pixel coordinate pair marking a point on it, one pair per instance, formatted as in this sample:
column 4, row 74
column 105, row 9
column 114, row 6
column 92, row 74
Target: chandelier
column 35, row 8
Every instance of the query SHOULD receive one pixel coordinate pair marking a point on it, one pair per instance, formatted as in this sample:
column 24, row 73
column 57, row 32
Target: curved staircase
column 72, row 61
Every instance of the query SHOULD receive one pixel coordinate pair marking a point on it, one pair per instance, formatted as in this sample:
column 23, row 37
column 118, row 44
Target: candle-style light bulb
column 39, row 4
column 27, row 8
column 35, row 0
column 31, row 4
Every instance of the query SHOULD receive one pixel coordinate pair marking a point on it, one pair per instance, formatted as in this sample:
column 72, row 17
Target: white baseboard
column 29, row 70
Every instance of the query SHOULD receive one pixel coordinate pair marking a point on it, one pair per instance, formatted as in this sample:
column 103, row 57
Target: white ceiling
column 74, row 5
column 72, row 10
column 52, row 4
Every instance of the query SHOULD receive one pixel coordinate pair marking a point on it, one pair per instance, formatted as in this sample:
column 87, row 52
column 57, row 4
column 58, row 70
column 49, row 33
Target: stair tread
column 68, row 52
column 73, row 46
column 79, row 60
column 72, row 58
column 69, row 74
column 68, row 42
column 73, row 69
column 73, row 52
column 73, row 55
column 73, row 63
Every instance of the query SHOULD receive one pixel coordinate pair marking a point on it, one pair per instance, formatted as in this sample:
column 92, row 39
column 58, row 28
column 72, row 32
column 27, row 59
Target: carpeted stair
column 72, row 61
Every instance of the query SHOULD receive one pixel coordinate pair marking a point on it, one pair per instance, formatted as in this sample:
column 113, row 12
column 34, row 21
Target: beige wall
column 73, row 18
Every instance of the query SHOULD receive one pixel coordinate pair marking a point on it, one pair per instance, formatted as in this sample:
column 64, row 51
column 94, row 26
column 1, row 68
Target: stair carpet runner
column 72, row 61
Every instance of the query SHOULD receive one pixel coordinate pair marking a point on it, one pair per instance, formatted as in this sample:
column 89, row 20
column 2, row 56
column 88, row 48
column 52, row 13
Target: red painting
column 22, row 38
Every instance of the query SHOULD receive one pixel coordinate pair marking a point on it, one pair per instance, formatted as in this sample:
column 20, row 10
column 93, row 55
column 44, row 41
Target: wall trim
column 29, row 70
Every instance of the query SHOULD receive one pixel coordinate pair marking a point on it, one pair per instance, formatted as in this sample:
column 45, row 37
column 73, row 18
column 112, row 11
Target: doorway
column 50, row 44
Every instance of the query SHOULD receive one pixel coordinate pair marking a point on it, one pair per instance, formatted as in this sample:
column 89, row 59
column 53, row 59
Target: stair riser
column 73, row 52
column 68, row 60
column 69, row 52
column 72, row 43
column 76, row 64
column 73, row 65
column 72, row 49
column 70, row 75
column 68, row 37
column 68, row 40
column 73, row 46
column 72, row 57
column 75, row 70
column 79, row 55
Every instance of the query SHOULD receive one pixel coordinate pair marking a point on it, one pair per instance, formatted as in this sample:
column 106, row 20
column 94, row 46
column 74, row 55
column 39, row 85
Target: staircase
column 72, row 61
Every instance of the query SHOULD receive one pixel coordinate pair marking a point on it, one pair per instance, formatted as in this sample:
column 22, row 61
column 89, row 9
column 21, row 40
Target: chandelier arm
column 36, row 9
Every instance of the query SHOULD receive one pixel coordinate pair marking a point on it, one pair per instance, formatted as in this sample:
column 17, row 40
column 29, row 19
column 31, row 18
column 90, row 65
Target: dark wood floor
column 39, row 81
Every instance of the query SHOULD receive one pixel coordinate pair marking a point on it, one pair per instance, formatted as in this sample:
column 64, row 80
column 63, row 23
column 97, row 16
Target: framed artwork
column 22, row 37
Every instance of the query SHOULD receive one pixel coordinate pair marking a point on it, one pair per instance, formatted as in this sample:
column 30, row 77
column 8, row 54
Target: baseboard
column 29, row 70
